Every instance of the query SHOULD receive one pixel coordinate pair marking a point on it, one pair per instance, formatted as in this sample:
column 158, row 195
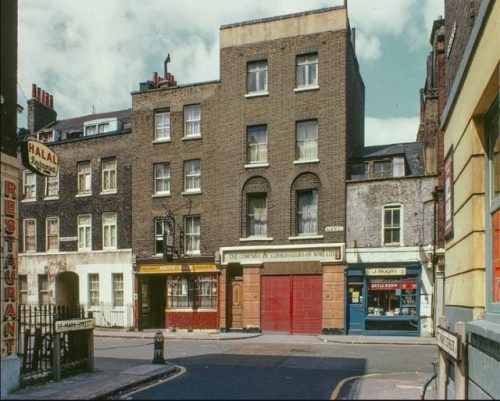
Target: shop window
column 392, row 297
column 392, row 225
column 192, row 291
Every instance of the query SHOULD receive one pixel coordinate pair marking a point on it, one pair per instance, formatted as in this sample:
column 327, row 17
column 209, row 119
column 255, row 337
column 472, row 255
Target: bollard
column 158, row 348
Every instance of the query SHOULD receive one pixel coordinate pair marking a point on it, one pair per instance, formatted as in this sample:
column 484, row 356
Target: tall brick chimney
column 40, row 109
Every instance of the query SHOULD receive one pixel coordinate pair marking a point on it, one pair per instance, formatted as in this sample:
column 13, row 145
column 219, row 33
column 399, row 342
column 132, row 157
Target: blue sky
column 92, row 54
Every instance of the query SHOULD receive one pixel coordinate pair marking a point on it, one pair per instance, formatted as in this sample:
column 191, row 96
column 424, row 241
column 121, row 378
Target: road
column 266, row 367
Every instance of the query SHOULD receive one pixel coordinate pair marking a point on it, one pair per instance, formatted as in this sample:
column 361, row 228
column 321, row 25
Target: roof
column 76, row 123
column 412, row 151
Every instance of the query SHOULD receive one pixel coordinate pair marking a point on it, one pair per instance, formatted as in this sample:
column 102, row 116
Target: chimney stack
column 40, row 109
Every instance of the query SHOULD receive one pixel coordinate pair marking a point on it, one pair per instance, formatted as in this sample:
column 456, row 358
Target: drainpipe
column 435, row 197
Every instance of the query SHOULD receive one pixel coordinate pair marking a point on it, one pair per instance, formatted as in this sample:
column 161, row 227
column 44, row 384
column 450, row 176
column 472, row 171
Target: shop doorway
column 236, row 302
column 152, row 302
column 356, row 309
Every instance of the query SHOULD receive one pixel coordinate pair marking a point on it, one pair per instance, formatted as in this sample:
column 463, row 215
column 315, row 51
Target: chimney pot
column 33, row 91
column 51, row 101
column 38, row 94
column 155, row 78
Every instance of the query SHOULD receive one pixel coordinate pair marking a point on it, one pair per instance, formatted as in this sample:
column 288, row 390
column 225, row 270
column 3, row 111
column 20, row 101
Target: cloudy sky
column 92, row 54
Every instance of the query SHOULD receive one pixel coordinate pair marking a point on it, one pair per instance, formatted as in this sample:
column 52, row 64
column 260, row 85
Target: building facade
column 389, row 275
column 471, row 146
column 252, row 168
column 75, row 228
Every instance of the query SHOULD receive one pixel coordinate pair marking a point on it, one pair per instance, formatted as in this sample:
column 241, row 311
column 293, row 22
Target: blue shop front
column 383, row 299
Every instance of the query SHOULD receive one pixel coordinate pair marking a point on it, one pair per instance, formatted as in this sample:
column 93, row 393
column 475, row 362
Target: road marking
column 182, row 370
column 337, row 389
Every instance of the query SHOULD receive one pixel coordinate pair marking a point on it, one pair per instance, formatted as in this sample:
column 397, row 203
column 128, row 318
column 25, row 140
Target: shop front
column 177, row 295
column 383, row 300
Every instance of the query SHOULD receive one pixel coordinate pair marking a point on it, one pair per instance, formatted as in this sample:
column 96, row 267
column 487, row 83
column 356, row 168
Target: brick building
column 75, row 229
column 389, row 274
column 252, row 168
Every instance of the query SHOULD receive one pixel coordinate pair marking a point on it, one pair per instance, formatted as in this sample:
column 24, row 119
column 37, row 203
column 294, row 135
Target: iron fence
column 108, row 315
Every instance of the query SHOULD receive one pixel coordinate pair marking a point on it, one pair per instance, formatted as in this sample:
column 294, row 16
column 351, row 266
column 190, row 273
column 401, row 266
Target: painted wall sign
column 178, row 268
column 386, row 271
column 448, row 342
column 61, row 326
column 333, row 229
column 9, row 273
column 39, row 158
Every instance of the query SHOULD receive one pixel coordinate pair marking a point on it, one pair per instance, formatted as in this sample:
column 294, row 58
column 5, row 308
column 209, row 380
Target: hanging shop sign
column 386, row 271
column 39, row 158
column 448, row 342
column 178, row 268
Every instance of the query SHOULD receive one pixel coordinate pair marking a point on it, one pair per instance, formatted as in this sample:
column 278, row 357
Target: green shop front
column 383, row 300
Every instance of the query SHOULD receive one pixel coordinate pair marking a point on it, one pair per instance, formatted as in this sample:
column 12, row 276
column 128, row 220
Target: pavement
column 111, row 378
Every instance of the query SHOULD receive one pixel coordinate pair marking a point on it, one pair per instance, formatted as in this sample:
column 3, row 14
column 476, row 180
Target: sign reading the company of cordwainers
column 326, row 253
column 39, row 158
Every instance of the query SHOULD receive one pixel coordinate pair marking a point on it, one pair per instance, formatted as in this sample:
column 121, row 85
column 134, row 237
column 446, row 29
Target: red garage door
column 291, row 303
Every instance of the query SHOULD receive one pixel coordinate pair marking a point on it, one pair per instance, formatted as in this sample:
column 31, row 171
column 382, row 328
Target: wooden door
column 237, row 303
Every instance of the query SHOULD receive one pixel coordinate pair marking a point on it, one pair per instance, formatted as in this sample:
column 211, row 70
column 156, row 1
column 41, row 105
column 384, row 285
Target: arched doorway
column 67, row 288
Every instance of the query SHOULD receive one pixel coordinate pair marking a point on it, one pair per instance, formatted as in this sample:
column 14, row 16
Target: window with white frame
column 162, row 178
column 93, row 285
column 84, row 232
column 257, row 215
column 29, row 230
column 307, row 212
column 398, row 167
column 257, row 77
column 192, row 120
column 307, row 70
column 257, row 144
column 382, row 169
column 43, row 289
column 159, row 225
column 23, row 289
column 117, row 279
column 307, row 140
column 52, row 186
column 98, row 128
column 392, row 225
column 29, row 185
column 52, row 230
column 108, row 167
column 192, row 231
column 84, row 178
column 162, row 126
column 109, row 231
column 192, row 176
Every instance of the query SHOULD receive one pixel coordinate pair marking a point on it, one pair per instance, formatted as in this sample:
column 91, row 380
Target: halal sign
column 39, row 158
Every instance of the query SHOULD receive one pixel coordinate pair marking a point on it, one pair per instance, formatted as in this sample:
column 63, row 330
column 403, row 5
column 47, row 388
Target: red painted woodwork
column 275, row 303
column 306, row 308
column 191, row 320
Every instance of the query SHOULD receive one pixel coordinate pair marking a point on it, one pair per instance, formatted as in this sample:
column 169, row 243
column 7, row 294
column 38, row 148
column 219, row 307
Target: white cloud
column 368, row 48
column 381, row 131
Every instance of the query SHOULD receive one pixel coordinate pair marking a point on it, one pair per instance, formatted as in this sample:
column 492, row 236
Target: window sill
column 114, row 192
column 190, row 137
column 161, row 195
column 256, row 94
column 249, row 239
column 392, row 245
column 161, row 141
column 196, row 253
column 83, row 195
column 49, row 198
column 30, row 200
column 306, row 161
column 301, row 237
column 114, row 248
column 306, row 88
column 257, row 165
column 197, row 192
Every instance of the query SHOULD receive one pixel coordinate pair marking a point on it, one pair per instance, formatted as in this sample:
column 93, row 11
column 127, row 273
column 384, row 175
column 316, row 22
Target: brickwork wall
column 333, row 298
column 68, row 206
column 251, row 297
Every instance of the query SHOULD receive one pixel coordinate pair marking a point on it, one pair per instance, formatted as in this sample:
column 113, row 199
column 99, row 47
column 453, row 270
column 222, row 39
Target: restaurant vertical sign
column 9, row 284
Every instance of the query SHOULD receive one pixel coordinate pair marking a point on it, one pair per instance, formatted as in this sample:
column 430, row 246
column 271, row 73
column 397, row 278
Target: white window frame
column 304, row 125
column 48, row 182
column 299, row 213
column 257, row 146
column 48, row 235
column 192, row 122
column 190, row 175
column 108, row 168
column 392, row 206
column 26, row 185
column 259, row 70
column 117, row 289
column 159, row 222
column 161, row 179
column 84, row 172
column 25, row 223
column 93, row 289
column 110, row 241
column 192, row 233
column 251, row 216
column 86, row 228
column 306, row 62
column 162, row 126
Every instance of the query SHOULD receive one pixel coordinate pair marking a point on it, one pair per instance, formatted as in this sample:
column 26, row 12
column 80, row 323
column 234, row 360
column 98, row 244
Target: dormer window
column 382, row 169
column 101, row 126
